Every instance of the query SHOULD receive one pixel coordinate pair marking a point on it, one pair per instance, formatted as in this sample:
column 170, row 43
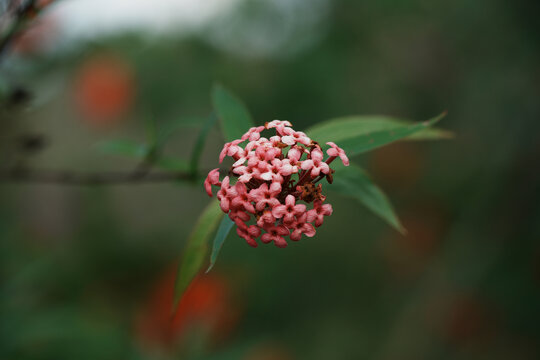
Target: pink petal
column 316, row 155
column 308, row 230
column 299, row 209
column 294, row 154
column 280, row 242
column 254, row 231
column 279, row 210
column 282, row 230
column 224, row 204
column 296, row 235
column 312, row 215
column 327, row 209
column 288, row 218
column 290, row 200
column 245, row 178
column 267, row 176
column 266, row 238
column 332, row 152
column 344, row 159
column 289, row 140
column 307, row 164
column 239, row 162
column 208, row 187
column 275, row 188
column 324, row 168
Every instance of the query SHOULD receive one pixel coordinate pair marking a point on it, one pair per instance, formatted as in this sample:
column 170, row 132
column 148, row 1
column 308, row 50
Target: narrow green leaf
column 124, row 147
column 224, row 228
column 353, row 181
column 232, row 113
column 199, row 144
column 359, row 130
column 196, row 249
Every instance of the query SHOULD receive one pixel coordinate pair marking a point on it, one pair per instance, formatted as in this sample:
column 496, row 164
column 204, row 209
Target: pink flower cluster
column 272, row 176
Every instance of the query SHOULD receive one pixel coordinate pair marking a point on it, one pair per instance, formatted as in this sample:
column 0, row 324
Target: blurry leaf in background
column 196, row 248
column 171, row 164
column 352, row 181
column 360, row 134
column 350, row 126
column 207, row 304
column 124, row 147
column 224, row 228
column 232, row 113
column 104, row 89
column 139, row 151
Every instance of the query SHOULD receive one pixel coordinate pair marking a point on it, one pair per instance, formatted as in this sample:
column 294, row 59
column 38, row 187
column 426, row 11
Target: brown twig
column 61, row 177
column 21, row 14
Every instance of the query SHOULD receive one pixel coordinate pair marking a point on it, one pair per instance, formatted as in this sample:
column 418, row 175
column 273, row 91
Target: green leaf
column 224, row 228
column 357, row 134
column 196, row 249
column 232, row 113
column 354, row 182
column 199, row 144
column 124, row 147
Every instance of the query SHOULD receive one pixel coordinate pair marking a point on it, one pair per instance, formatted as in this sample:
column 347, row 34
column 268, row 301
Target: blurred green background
column 86, row 272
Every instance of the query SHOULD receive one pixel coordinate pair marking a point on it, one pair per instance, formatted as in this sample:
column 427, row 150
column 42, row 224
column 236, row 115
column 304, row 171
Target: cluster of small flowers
column 272, row 176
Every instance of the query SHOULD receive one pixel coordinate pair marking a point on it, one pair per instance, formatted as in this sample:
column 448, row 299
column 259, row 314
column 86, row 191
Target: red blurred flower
column 206, row 305
column 398, row 166
column 269, row 351
column 463, row 319
column 104, row 89
column 426, row 224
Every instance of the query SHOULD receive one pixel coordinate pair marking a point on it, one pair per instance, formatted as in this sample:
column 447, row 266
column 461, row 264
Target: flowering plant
column 273, row 188
column 273, row 175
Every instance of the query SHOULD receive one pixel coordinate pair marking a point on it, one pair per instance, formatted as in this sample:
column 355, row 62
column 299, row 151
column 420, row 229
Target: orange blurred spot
column 468, row 320
column 104, row 89
column 206, row 305
column 269, row 351
column 398, row 166
column 408, row 255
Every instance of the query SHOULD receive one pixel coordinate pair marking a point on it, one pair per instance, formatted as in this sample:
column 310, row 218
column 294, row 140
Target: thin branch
column 61, row 177
column 22, row 14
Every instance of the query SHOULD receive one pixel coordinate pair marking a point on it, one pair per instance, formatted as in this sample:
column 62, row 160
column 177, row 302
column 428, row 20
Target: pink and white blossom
column 318, row 212
column 315, row 164
column 211, row 179
column 275, row 233
column 266, row 196
column 302, row 227
column 289, row 210
column 336, row 151
column 272, row 182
